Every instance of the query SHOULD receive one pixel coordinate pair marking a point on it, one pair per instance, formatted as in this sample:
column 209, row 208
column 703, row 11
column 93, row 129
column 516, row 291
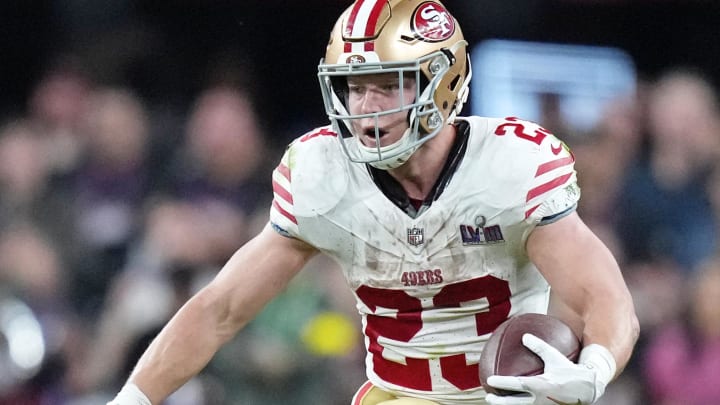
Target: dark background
column 166, row 50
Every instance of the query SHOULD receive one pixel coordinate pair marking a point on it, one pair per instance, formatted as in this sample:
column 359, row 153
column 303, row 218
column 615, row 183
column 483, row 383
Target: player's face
column 369, row 94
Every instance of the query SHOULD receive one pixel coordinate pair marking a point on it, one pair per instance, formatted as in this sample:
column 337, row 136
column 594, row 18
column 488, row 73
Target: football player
column 444, row 226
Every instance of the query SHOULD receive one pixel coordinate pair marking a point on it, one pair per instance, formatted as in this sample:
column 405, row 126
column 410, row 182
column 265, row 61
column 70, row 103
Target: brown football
column 505, row 354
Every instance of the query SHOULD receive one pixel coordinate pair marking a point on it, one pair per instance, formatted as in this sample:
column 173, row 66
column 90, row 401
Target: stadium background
column 161, row 48
column 165, row 52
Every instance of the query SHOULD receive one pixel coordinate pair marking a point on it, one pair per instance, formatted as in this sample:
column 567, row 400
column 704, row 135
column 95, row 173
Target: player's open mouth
column 368, row 136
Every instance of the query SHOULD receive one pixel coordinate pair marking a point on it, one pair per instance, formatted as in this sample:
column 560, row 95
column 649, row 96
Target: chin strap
column 395, row 161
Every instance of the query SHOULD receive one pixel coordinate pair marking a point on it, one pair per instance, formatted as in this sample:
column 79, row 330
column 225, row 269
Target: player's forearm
column 617, row 331
column 601, row 297
column 183, row 348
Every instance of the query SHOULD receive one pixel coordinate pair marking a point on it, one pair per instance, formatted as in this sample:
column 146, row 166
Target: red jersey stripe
column 544, row 188
column 282, row 192
column 286, row 214
column 531, row 210
column 284, row 170
column 554, row 164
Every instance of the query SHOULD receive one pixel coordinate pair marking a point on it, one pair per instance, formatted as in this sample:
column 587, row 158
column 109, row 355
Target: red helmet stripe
column 363, row 20
column 353, row 16
column 351, row 23
column 372, row 23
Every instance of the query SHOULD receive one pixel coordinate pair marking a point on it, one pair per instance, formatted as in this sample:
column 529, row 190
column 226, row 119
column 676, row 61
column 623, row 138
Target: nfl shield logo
column 415, row 236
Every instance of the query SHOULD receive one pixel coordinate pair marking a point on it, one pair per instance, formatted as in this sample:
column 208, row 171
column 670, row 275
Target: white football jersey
column 431, row 289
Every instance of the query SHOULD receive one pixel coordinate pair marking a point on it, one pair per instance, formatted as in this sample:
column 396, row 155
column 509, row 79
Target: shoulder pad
column 316, row 172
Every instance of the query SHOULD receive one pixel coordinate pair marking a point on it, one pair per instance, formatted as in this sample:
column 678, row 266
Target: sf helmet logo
column 431, row 22
column 355, row 59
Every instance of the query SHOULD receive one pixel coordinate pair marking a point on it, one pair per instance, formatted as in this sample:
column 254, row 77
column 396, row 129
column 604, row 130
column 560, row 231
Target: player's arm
column 584, row 274
column 586, row 277
column 255, row 274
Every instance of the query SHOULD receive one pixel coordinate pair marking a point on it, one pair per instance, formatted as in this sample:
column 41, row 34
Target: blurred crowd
column 112, row 214
column 110, row 219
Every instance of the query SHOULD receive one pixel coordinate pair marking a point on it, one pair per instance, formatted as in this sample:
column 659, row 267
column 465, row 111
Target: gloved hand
column 130, row 394
column 562, row 382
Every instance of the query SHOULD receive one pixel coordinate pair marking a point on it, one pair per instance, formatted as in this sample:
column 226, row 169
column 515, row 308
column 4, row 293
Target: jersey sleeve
column 307, row 183
column 553, row 191
column 282, row 211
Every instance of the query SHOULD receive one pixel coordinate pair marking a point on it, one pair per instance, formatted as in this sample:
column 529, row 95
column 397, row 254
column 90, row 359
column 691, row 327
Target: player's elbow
column 626, row 319
column 218, row 313
column 634, row 327
column 615, row 305
column 626, row 308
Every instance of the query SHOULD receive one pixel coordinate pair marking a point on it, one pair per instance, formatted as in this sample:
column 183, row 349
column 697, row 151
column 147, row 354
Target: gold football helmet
column 416, row 39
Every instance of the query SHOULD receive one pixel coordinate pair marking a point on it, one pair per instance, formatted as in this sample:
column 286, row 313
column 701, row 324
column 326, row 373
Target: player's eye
column 355, row 89
column 389, row 87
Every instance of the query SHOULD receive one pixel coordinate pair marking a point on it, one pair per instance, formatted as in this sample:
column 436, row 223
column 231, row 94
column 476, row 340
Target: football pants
column 369, row 394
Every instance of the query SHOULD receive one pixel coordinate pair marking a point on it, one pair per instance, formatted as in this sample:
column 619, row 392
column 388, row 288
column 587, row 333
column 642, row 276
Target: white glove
column 562, row 382
column 130, row 394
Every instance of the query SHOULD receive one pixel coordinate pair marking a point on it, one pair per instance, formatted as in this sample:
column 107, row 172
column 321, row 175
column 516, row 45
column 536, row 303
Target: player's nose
column 372, row 102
